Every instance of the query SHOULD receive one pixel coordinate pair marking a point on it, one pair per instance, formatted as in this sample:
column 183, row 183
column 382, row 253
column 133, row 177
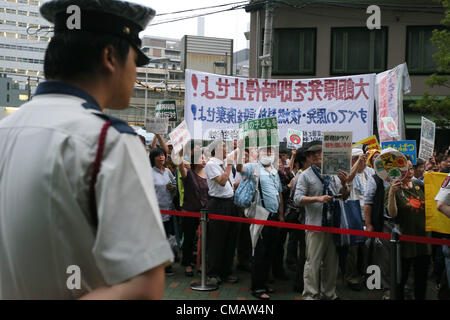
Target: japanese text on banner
column 215, row 104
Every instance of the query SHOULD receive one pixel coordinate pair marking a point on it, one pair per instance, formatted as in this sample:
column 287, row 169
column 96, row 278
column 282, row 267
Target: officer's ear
column 108, row 59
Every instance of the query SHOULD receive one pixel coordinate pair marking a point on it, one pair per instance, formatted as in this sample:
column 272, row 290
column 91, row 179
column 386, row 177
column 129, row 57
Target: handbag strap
column 95, row 170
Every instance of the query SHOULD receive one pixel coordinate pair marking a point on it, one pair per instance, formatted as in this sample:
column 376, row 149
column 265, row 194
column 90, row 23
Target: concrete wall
column 324, row 18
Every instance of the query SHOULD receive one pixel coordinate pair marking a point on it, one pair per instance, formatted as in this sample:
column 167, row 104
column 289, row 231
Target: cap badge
column 126, row 30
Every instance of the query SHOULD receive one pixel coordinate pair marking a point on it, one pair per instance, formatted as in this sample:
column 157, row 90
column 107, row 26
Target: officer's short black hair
column 155, row 153
column 76, row 55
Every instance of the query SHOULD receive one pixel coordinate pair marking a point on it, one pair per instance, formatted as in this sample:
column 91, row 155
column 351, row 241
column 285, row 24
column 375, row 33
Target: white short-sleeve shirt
column 214, row 168
column 48, row 149
column 444, row 193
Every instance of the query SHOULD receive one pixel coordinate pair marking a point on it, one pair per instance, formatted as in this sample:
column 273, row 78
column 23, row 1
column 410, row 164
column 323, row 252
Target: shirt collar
column 59, row 87
column 272, row 170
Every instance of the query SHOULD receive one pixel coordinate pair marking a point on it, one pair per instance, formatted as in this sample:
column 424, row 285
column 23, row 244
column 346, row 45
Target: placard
column 390, row 165
column 157, row 125
column 427, row 134
column 336, row 152
column 407, row 147
column 166, row 109
column 179, row 136
column 294, row 139
column 259, row 133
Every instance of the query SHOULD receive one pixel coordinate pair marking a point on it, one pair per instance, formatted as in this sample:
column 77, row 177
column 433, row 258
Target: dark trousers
column 278, row 257
column 293, row 240
column 221, row 238
column 420, row 266
column 244, row 242
column 264, row 252
column 189, row 227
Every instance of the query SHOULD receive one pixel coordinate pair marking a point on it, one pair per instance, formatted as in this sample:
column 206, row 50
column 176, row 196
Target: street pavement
column 177, row 287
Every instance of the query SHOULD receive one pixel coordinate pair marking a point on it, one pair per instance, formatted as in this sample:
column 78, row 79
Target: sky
column 231, row 24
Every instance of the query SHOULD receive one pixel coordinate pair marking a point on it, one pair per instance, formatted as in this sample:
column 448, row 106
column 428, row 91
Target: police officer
column 78, row 214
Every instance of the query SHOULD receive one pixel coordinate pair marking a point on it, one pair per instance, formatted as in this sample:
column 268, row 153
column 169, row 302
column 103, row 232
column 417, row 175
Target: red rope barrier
column 352, row 232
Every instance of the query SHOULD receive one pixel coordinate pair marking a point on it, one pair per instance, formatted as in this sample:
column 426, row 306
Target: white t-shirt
column 214, row 169
column 48, row 150
column 444, row 193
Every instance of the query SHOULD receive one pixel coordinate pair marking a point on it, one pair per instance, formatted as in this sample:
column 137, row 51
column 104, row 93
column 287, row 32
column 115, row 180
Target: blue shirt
column 270, row 185
column 164, row 196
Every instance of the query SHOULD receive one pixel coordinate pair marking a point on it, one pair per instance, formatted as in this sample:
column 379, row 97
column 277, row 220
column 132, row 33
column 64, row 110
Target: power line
column 198, row 15
column 210, row 7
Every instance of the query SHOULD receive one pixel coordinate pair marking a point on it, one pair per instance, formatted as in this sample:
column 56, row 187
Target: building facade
column 24, row 36
column 328, row 39
column 161, row 79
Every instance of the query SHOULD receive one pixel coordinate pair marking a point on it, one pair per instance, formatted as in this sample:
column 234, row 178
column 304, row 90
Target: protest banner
column 389, row 89
column 371, row 142
column 427, row 134
column 294, row 139
column 166, row 109
column 179, row 136
column 216, row 104
column 407, row 147
column 259, row 133
column 435, row 220
column 391, row 164
column 336, row 152
column 157, row 125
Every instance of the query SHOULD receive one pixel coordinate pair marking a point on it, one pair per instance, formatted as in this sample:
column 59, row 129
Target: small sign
column 179, row 136
column 259, row 133
column 157, row 125
column 166, row 109
column 407, row 147
column 371, row 142
column 294, row 139
column 427, row 134
column 336, row 152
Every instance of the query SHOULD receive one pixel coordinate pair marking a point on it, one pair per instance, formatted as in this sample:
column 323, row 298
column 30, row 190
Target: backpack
column 243, row 197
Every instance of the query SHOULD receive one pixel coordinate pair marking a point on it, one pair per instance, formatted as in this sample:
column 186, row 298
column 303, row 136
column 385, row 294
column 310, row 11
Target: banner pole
column 396, row 273
column 203, row 285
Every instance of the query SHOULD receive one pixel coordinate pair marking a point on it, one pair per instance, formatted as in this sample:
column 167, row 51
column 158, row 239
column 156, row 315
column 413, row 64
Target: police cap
column 119, row 18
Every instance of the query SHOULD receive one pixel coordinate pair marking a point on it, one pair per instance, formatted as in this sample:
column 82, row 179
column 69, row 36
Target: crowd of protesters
column 292, row 189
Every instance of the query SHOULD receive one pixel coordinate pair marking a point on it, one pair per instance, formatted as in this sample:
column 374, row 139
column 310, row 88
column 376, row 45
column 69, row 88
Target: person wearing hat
column 314, row 192
column 79, row 215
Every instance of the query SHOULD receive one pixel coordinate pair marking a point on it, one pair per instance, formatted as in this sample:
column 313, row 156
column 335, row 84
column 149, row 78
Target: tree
column 429, row 103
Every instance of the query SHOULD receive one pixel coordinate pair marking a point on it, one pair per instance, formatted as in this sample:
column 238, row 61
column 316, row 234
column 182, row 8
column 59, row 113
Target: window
column 420, row 49
column 294, row 51
column 11, row 11
column 21, row 12
column 358, row 50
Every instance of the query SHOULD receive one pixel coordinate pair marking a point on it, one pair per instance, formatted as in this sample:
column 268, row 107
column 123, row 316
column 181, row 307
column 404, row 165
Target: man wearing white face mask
column 271, row 198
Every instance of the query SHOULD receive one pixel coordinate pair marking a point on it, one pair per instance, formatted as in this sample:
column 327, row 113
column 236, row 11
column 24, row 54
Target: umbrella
column 256, row 212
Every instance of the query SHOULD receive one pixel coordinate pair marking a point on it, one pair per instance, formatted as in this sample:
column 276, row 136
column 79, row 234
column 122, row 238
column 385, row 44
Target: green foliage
column 429, row 103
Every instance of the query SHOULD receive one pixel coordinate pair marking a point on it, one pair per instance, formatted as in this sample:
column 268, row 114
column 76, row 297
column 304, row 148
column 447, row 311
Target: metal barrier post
column 203, row 285
column 396, row 271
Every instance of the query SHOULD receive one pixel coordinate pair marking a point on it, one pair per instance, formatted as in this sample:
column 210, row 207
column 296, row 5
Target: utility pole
column 266, row 58
column 146, row 93
column 29, row 89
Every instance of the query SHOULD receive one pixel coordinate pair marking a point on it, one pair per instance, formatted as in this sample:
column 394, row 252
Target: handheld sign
column 407, row 147
column 157, row 125
column 294, row 139
column 391, row 164
column 166, row 109
column 179, row 136
column 427, row 133
column 336, row 152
